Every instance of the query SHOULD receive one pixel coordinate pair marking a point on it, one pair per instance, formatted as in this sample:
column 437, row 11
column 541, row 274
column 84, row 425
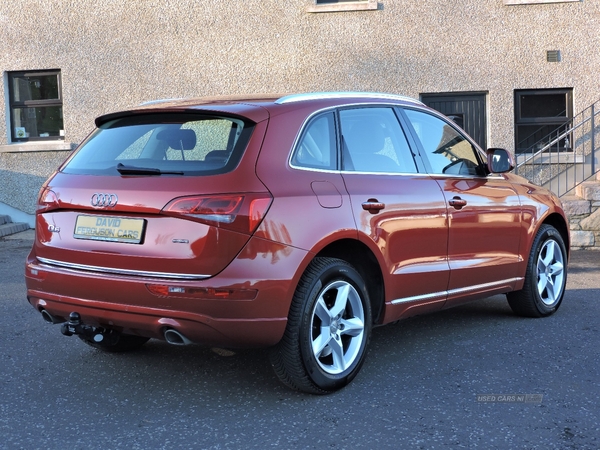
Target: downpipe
column 174, row 337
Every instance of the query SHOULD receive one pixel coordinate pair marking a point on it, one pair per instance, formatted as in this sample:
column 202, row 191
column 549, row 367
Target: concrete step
column 575, row 206
column 12, row 228
column 589, row 190
column 4, row 219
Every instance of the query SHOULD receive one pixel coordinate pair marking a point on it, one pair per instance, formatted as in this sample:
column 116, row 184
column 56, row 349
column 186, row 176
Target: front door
column 484, row 212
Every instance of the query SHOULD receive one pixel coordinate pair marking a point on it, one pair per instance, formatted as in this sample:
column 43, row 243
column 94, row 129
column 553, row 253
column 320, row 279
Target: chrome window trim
column 403, row 174
column 352, row 172
column 334, row 108
column 109, row 270
column 464, row 290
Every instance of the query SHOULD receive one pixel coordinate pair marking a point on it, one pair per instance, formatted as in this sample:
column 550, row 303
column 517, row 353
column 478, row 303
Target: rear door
column 398, row 211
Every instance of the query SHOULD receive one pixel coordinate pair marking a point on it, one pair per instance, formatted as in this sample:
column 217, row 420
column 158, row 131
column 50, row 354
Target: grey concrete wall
column 114, row 54
column 22, row 175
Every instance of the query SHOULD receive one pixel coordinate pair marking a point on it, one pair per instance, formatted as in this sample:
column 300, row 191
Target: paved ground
column 419, row 388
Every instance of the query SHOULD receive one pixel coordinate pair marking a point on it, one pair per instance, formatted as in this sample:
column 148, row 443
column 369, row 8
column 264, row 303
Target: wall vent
column 553, row 56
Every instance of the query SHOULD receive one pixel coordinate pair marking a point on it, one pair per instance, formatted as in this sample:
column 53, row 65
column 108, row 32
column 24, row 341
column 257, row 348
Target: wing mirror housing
column 499, row 160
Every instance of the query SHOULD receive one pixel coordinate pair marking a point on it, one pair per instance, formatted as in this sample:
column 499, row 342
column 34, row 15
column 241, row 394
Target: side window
column 373, row 141
column 448, row 152
column 316, row 148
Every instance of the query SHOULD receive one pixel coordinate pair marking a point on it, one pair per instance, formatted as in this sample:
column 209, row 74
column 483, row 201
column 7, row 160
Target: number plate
column 114, row 229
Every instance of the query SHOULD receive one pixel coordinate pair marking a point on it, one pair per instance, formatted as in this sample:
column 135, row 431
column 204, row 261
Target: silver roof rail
column 162, row 100
column 332, row 95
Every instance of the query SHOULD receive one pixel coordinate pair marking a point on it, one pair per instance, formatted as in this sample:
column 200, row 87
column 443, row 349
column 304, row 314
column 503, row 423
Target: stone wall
column 584, row 215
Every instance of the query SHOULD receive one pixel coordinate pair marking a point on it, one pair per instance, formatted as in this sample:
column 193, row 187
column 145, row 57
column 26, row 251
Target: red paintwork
column 427, row 250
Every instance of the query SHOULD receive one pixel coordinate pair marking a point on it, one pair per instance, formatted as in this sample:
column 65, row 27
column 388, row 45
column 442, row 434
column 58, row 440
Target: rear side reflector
column 237, row 212
column 163, row 290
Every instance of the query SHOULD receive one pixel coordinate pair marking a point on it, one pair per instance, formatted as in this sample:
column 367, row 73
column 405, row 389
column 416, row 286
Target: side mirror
column 499, row 160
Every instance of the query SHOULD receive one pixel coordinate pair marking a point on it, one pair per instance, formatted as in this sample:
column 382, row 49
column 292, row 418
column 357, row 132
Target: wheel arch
column 364, row 261
column 560, row 224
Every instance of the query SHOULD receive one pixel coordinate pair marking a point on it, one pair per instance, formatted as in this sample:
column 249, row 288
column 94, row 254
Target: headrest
column 182, row 139
column 366, row 137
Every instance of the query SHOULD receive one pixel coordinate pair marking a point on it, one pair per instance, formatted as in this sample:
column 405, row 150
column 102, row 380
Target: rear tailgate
column 133, row 236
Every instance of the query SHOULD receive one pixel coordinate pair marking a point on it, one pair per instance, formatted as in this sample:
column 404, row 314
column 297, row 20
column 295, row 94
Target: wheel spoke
column 321, row 342
column 352, row 327
column 322, row 312
column 542, row 283
column 341, row 300
column 339, row 362
column 550, row 291
column 541, row 266
column 556, row 268
column 550, row 250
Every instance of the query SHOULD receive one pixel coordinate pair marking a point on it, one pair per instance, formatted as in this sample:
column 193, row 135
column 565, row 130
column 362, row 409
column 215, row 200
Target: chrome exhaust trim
column 174, row 337
column 49, row 317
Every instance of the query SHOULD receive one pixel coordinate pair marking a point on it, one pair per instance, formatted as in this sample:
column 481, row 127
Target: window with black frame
column 542, row 119
column 36, row 110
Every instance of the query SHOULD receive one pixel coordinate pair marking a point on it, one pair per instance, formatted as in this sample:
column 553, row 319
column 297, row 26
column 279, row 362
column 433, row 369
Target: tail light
column 47, row 200
column 238, row 212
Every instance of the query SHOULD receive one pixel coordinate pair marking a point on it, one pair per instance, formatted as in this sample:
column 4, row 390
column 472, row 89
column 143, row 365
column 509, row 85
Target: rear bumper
column 152, row 322
column 126, row 304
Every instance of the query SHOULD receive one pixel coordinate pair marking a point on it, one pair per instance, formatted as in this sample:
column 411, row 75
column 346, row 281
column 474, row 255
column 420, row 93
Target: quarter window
column 448, row 152
column 35, row 102
column 372, row 141
column 317, row 148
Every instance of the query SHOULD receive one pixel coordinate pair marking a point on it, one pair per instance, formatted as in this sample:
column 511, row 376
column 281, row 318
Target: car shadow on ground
column 248, row 370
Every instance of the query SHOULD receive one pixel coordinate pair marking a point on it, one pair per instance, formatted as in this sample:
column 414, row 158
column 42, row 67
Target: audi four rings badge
column 104, row 200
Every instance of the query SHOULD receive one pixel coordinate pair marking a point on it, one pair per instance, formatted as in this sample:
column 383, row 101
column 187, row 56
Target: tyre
column 328, row 329
column 116, row 343
column 545, row 278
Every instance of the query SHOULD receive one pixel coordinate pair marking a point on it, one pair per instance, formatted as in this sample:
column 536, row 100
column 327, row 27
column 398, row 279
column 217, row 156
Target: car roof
column 258, row 107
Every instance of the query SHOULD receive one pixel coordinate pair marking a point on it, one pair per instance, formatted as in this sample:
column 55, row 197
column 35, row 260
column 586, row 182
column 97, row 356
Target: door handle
column 458, row 203
column 373, row 206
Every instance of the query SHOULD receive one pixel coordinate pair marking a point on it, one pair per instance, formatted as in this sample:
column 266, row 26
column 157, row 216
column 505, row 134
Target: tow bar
column 93, row 334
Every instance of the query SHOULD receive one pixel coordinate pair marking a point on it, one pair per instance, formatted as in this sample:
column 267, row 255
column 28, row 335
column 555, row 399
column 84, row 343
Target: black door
column 468, row 110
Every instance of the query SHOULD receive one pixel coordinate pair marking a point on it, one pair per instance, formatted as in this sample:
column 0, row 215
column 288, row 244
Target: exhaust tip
column 174, row 337
column 49, row 317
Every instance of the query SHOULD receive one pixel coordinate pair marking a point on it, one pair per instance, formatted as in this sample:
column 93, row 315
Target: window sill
column 531, row 2
column 39, row 146
column 369, row 5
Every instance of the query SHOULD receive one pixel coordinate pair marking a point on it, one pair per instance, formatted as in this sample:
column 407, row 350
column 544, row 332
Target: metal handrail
column 551, row 143
column 569, row 169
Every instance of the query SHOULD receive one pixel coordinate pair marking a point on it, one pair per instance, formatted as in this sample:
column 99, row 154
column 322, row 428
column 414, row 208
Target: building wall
column 115, row 54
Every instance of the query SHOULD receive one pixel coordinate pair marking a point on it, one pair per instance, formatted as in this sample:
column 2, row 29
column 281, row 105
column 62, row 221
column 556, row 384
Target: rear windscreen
column 178, row 144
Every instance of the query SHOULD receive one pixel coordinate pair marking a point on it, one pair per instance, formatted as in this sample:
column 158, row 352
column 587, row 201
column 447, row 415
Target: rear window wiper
column 133, row 170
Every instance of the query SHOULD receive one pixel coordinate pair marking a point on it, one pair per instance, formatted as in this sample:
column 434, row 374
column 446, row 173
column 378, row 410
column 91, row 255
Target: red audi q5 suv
column 296, row 223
